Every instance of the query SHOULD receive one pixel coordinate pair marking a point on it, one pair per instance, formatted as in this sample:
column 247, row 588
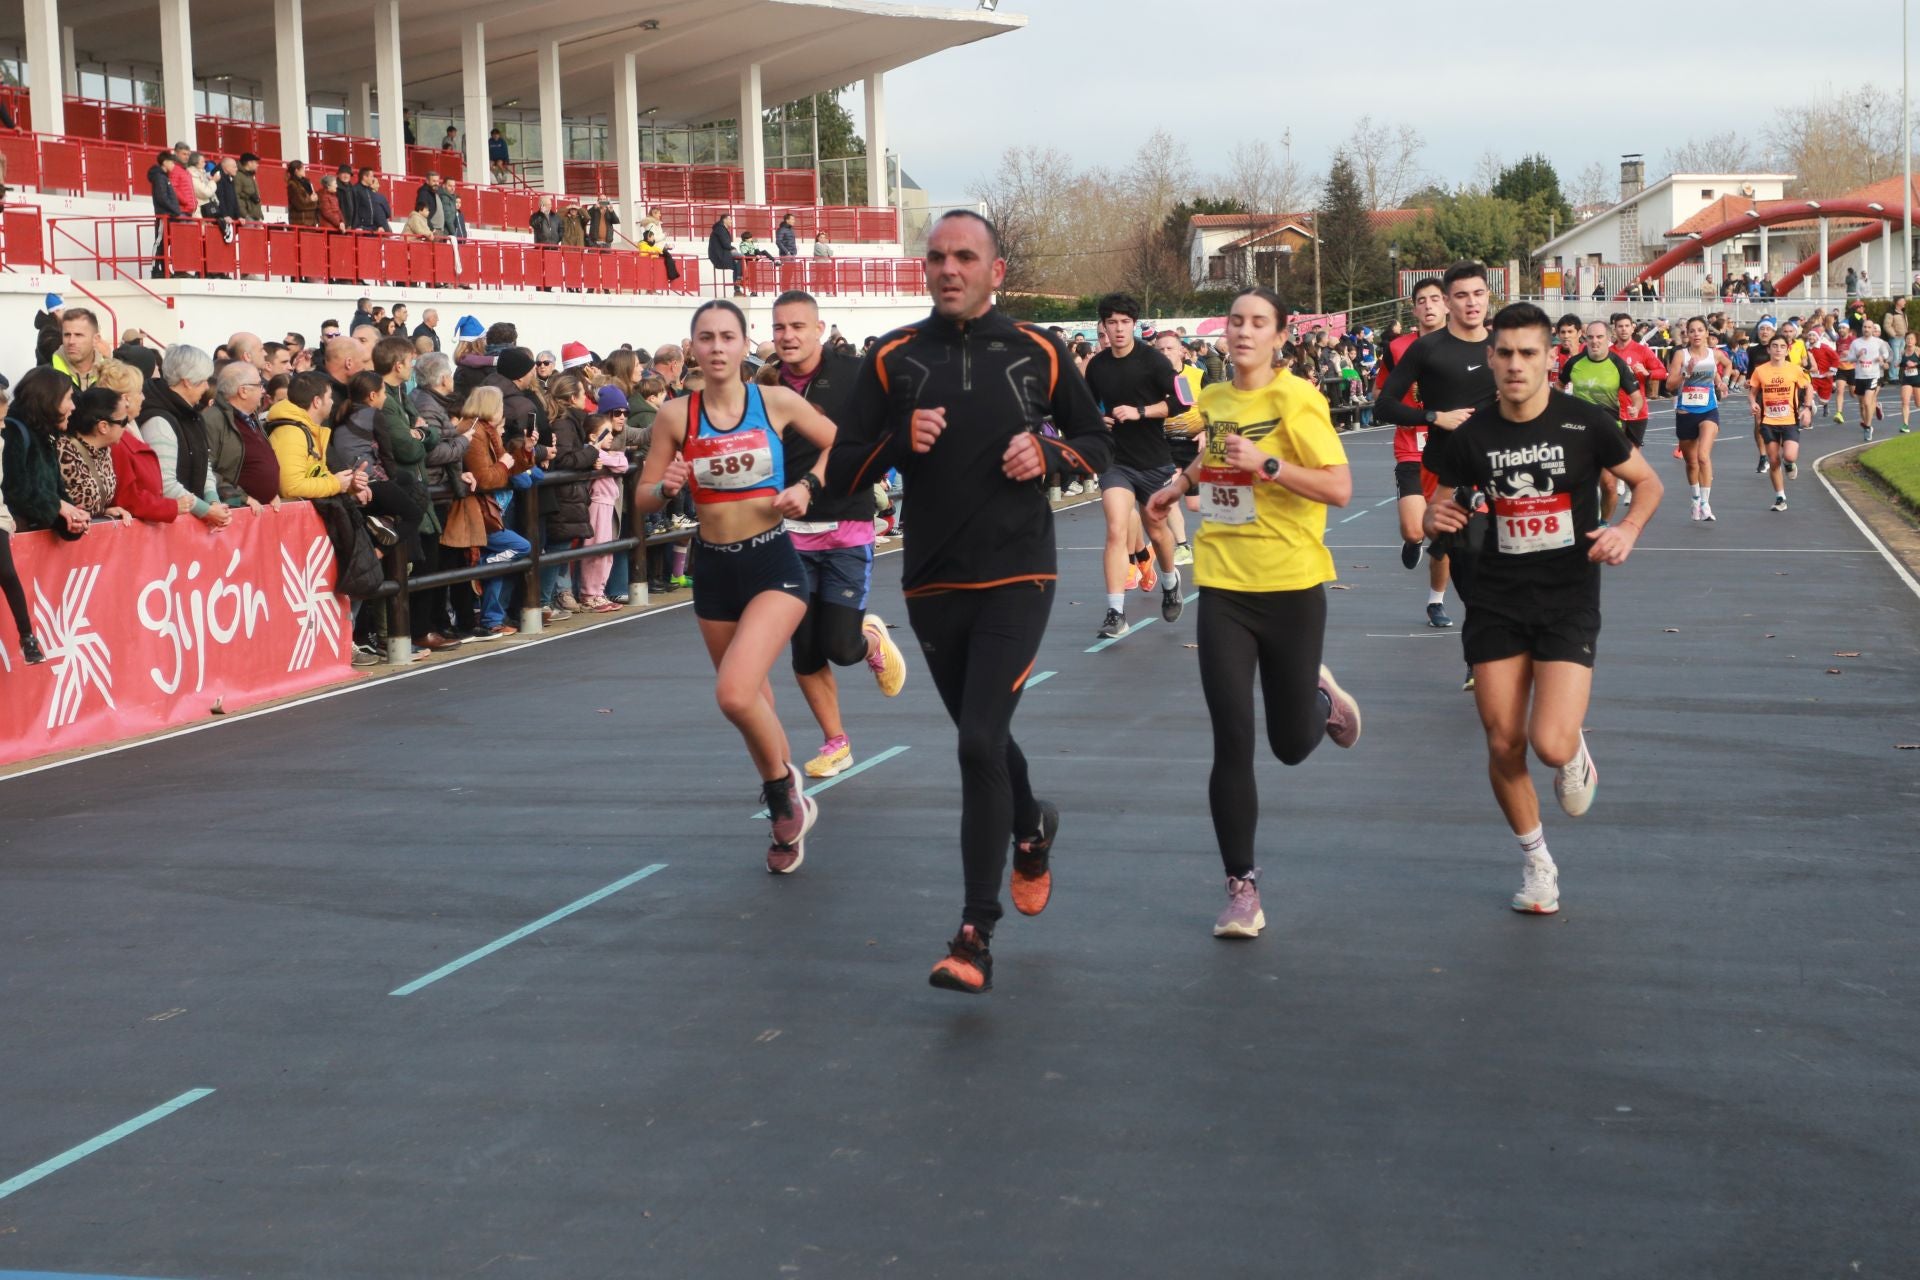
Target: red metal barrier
column 22, row 151
column 23, row 241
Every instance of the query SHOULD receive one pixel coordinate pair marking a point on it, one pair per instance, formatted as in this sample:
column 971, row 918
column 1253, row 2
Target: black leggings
column 10, row 587
column 979, row 647
column 829, row 633
column 1280, row 632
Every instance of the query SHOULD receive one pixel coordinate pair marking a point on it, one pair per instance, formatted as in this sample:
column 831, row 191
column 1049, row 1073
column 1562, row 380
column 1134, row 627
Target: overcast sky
column 1094, row 77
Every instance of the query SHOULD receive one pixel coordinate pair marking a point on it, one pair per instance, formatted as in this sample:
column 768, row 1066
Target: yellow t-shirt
column 1254, row 535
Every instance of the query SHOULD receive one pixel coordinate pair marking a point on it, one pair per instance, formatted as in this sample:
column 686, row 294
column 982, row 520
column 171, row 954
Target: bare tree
column 1729, row 152
column 1837, row 144
column 1486, row 174
column 1160, row 177
column 1030, row 197
column 1263, row 180
column 1386, row 160
column 1594, row 186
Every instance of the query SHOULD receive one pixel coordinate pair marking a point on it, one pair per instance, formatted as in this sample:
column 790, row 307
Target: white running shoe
column 1706, row 511
column 1539, row 887
column 1697, row 517
column 1576, row 781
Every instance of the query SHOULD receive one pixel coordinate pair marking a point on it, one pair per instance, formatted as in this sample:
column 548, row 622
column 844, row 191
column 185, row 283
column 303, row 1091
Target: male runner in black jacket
column 956, row 403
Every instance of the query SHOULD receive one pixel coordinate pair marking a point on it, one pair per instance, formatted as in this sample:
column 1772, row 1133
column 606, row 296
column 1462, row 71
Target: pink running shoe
column 793, row 813
column 1343, row 715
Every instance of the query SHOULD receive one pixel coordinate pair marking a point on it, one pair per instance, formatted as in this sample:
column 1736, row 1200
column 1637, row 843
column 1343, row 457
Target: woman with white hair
column 170, row 424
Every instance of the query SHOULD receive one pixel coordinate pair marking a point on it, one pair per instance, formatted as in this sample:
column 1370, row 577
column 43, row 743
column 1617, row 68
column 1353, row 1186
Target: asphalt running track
column 1704, row 1066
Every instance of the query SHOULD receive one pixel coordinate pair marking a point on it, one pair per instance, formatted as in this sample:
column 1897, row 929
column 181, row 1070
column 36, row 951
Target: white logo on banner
column 80, row 657
column 308, row 590
column 190, row 620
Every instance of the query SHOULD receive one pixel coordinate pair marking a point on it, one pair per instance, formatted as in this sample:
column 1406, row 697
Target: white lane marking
column 1350, row 519
column 1861, row 525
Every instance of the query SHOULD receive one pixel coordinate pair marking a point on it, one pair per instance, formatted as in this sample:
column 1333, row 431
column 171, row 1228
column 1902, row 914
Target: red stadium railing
column 23, row 239
column 686, row 183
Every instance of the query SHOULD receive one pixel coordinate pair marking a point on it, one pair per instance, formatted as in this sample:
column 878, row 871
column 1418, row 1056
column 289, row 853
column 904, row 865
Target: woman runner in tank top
column 1271, row 466
column 1697, row 376
column 750, row 588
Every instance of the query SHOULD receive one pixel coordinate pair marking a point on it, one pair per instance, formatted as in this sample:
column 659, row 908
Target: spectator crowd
column 436, row 451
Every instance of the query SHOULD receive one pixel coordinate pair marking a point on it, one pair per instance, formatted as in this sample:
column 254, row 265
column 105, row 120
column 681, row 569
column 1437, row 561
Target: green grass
column 1896, row 463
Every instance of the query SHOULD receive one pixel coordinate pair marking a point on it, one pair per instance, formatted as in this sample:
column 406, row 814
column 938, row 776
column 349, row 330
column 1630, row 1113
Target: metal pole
column 1318, row 308
column 1826, row 284
column 1906, row 149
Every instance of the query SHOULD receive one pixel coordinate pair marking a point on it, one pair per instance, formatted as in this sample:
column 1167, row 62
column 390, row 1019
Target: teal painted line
column 524, row 930
column 1355, row 516
column 22, row 1181
column 1383, row 502
column 1144, row 622
column 841, row 777
column 1042, row 678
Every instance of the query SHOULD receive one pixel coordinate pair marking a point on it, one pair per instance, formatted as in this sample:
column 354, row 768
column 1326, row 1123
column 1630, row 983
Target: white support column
column 69, row 61
column 386, row 70
column 473, row 93
column 176, row 70
column 360, row 110
column 1706, row 264
column 1825, row 291
column 42, row 55
column 1886, row 259
column 1766, row 265
column 290, row 78
column 877, row 140
column 626, row 142
column 753, row 158
column 553, row 135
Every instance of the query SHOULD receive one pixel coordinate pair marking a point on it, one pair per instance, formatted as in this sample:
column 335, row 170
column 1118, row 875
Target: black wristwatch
column 1271, row 468
column 810, row 480
column 1430, row 417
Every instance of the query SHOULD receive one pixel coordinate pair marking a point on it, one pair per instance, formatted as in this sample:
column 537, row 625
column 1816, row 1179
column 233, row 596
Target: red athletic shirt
column 1407, row 441
column 1639, row 356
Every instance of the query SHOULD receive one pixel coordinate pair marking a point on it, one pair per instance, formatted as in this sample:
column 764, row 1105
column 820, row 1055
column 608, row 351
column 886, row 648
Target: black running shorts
column 1780, row 435
column 1547, row 635
column 727, row 576
column 1143, row 483
column 1635, row 430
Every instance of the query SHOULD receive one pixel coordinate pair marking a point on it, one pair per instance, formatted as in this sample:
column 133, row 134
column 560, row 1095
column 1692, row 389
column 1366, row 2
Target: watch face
column 1271, row 467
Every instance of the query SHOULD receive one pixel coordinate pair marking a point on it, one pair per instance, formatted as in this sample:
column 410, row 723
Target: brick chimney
column 1633, row 180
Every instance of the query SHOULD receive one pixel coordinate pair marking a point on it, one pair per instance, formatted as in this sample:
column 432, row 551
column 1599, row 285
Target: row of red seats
column 84, row 166
column 684, row 183
column 301, row 253
column 838, row 277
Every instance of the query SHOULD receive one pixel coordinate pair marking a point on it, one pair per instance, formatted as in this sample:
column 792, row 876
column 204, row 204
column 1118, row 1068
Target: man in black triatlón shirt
column 1533, row 605
column 1448, row 375
column 1133, row 385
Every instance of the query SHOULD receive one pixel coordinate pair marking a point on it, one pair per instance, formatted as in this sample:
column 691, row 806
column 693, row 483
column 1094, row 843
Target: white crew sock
column 1169, row 579
column 1436, row 597
column 1779, row 491
column 1534, row 844
column 1117, row 601
column 1706, row 496
column 1696, row 492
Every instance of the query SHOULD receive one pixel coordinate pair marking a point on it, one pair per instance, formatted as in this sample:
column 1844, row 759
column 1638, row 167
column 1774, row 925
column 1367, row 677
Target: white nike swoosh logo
column 789, row 586
column 1472, row 367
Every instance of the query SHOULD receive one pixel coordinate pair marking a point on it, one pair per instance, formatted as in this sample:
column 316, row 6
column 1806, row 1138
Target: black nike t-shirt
column 1443, row 372
column 1142, row 378
column 1542, row 480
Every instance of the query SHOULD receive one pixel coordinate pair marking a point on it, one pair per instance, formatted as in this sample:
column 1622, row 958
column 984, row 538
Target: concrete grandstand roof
column 688, row 63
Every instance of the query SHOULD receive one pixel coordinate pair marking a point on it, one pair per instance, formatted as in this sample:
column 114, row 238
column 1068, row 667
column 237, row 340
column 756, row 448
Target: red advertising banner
column 152, row 626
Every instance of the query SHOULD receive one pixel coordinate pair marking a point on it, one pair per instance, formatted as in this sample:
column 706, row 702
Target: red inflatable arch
column 1767, row 215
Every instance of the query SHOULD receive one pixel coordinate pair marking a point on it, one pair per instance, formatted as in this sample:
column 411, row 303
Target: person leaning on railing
column 170, row 423
column 30, row 455
column 492, row 466
column 245, row 470
column 86, row 453
column 298, row 431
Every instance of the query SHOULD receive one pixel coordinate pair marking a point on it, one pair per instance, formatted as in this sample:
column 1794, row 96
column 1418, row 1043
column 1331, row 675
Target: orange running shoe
column 1149, row 573
column 1133, row 575
column 968, row 966
column 1032, row 876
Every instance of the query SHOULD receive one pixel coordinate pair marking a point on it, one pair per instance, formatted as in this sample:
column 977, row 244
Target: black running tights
column 1280, row 633
column 979, row 647
column 10, row 587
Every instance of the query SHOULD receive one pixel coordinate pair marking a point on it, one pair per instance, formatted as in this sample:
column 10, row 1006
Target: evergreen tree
column 1351, row 260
